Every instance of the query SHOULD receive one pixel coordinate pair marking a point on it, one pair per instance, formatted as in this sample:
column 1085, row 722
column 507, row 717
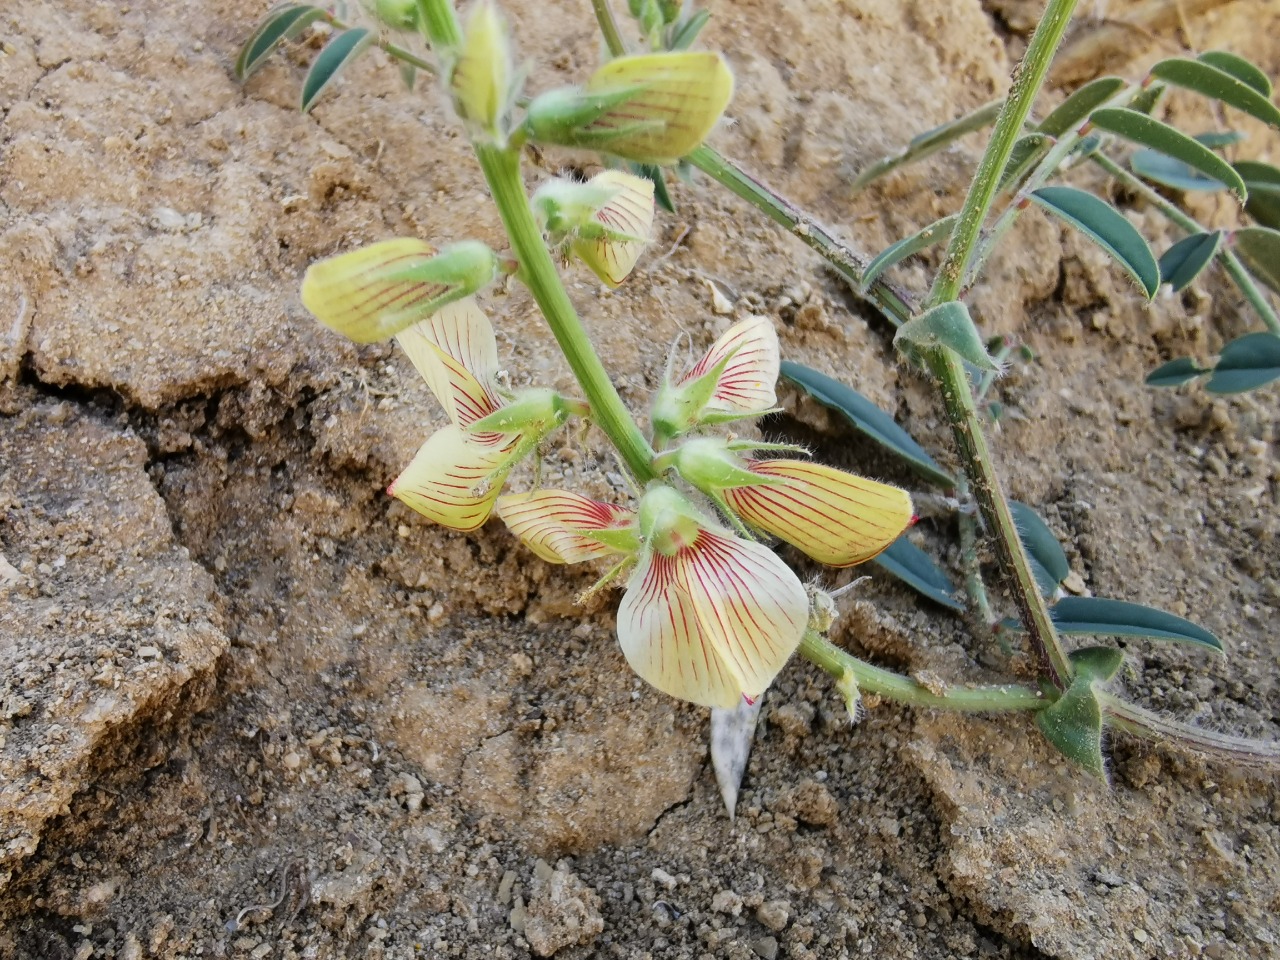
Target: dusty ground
column 236, row 674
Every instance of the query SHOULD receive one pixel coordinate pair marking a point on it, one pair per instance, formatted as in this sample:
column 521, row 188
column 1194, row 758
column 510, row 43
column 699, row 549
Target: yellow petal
column 714, row 622
column 627, row 213
column 453, row 480
column 552, row 523
column 835, row 517
column 679, row 98
column 749, row 380
column 371, row 294
column 455, row 351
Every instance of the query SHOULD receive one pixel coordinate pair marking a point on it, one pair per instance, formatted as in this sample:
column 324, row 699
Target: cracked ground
column 252, row 707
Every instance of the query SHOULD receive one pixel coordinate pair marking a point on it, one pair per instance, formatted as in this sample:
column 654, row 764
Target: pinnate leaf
column 936, row 232
column 1150, row 132
column 1104, row 225
column 868, row 419
column 904, row 560
column 337, row 54
column 1183, row 261
column 1217, row 84
column 1246, row 364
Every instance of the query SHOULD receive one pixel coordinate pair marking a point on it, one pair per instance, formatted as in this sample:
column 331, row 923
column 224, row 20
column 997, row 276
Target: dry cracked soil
column 252, row 707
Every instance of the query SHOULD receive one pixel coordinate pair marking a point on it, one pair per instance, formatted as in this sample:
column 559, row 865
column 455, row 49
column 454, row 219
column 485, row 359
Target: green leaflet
column 1240, row 68
column 283, row 22
column 1071, row 113
column 1263, row 181
column 1184, row 261
column 867, row 419
column 1103, row 224
column 1175, row 373
column 1140, row 128
column 1102, row 617
column 1246, row 364
column 1217, row 84
column 936, row 232
column 1259, row 248
column 337, row 54
column 913, row 567
column 1041, row 545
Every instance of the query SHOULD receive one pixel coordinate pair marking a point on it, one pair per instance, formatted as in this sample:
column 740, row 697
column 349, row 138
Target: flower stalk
column 538, row 272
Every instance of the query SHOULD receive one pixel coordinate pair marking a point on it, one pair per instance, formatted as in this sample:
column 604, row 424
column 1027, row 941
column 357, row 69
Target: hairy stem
column 1219, row 746
column 608, row 28
column 538, row 272
column 1226, row 256
column 894, row 686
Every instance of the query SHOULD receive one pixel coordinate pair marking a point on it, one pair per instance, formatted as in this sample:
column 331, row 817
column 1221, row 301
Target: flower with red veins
column 837, row 518
column 605, row 222
column 736, row 378
column 707, row 617
column 457, row 475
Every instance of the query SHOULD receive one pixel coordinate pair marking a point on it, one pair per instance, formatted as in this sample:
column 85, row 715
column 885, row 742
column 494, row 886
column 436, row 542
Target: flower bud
column 652, row 108
column 399, row 15
column 482, row 81
column 378, row 291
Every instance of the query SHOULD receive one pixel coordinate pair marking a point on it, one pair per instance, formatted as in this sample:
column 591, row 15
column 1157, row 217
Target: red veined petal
column 455, row 351
column 662, row 637
column 748, row 382
column 835, row 517
column 552, row 523
column 453, row 480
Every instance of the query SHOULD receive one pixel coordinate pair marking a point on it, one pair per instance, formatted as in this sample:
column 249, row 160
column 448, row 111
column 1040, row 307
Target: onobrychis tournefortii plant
column 709, row 612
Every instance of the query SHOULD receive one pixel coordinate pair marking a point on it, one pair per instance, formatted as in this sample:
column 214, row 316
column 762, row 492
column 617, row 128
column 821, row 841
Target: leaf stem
column 608, row 27
column 537, row 271
column 894, row 686
column 849, row 264
column 1226, row 256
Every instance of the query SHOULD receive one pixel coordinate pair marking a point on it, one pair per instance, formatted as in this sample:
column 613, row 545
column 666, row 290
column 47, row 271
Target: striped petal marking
column 371, row 294
column 555, row 524
column 835, row 517
column 628, row 213
column 455, row 351
column 454, row 481
column 713, row 622
column 679, row 98
column 749, row 379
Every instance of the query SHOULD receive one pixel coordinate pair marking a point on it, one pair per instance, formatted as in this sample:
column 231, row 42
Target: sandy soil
column 251, row 707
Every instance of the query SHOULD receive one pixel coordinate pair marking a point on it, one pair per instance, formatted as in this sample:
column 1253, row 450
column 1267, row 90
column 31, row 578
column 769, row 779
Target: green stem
column 894, row 686
column 608, row 28
column 538, row 272
column 1148, row 726
column 972, row 566
column 966, row 426
column 927, row 144
column 1027, row 80
column 957, row 395
column 850, row 265
column 1226, row 256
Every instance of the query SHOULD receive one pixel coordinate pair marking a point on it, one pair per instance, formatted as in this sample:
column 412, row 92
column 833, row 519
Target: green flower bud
column 483, row 80
column 401, row 15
